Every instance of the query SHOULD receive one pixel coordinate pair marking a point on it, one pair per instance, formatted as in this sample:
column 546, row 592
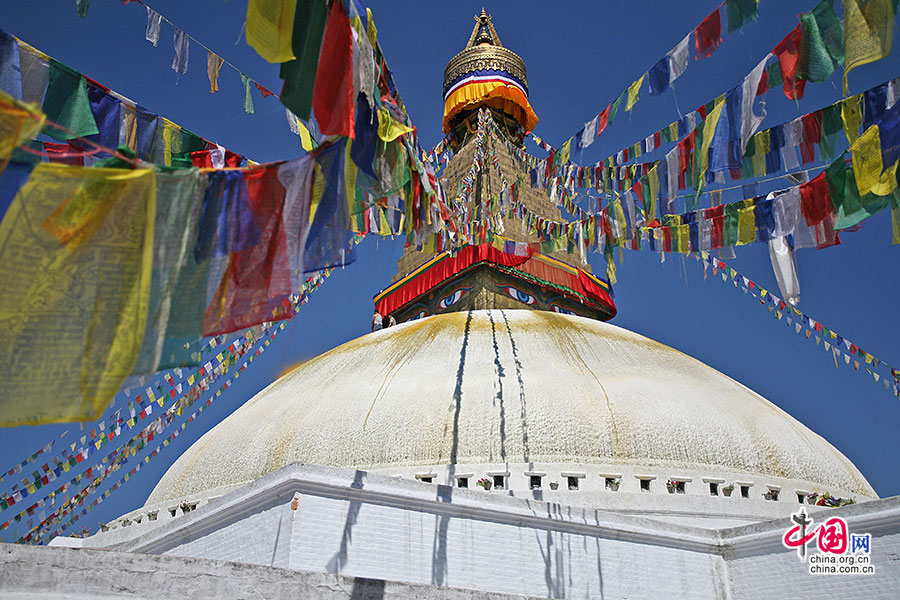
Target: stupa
column 502, row 439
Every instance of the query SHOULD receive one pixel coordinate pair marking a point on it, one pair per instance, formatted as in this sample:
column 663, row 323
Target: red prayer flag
column 815, row 201
column 333, row 102
column 603, row 121
column 58, row 154
column 763, row 86
column 788, row 53
column 708, row 35
column 258, row 278
column 265, row 93
column 201, row 159
column 812, row 135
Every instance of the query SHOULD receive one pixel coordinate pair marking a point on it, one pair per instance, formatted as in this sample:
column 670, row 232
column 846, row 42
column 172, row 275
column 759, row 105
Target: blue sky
column 580, row 56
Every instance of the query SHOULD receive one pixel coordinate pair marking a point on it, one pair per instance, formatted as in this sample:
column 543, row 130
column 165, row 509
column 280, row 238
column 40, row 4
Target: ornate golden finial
column 484, row 32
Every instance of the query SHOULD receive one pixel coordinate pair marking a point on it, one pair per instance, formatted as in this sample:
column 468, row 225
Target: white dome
column 517, row 386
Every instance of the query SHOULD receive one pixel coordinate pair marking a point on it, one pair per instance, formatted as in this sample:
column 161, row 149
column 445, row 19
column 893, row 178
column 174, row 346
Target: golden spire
column 484, row 32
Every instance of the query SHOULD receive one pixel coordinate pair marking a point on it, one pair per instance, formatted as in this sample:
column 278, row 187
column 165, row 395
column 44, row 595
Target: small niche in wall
column 534, row 481
column 572, row 483
column 462, row 482
column 499, row 482
column 745, row 491
column 645, row 485
column 713, row 488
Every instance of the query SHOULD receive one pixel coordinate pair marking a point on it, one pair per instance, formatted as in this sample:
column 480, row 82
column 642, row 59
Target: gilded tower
column 489, row 81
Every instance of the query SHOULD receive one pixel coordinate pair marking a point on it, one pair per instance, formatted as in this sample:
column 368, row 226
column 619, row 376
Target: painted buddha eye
column 448, row 301
column 420, row 315
column 519, row 295
column 559, row 309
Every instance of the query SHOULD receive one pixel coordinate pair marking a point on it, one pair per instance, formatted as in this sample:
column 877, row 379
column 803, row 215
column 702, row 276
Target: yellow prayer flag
column 684, row 238
column 74, row 313
column 389, row 129
column 650, row 203
column 305, row 137
column 633, row 90
column 746, row 225
column 350, row 174
column 868, row 32
column 171, row 140
column 565, row 153
column 317, row 190
column 372, row 31
column 270, row 28
column 384, row 228
column 871, row 176
column 709, row 130
column 19, row 122
column 851, row 115
column 213, row 66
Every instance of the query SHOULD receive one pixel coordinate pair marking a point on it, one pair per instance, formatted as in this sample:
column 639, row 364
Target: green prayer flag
column 849, row 207
column 299, row 75
column 248, row 99
column 82, row 7
column 67, row 105
column 831, row 29
column 191, row 142
column 615, row 105
column 177, row 280
column 816, row 64
column 667, row 134
column 730, row 229
column 831, row 119
column 775, row 76
column 739, row 12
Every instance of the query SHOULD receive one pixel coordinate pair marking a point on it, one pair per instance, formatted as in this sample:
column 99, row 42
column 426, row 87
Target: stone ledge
column 39, row 572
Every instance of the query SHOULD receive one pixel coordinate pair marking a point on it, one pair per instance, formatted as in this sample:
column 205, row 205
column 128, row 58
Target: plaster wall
column 365, row 525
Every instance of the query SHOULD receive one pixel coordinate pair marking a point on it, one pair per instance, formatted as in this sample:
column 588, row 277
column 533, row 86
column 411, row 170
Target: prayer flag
column 299, row 74
column 270, row 28
column 258, row 277
column 633, row 90
column 67, row 105
column 154, row 21
column 708, row 35
column 740, row 11
column 788, row 53
column 248, row 99
column 182, row 48
column 869, row 32
column 213, row 66
column 659, row 77
column 333, row 101
column 86, row 332
column 603, row 120
column 872, row 176
column 177, row 295
column 678, row 59
column 19, row 122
